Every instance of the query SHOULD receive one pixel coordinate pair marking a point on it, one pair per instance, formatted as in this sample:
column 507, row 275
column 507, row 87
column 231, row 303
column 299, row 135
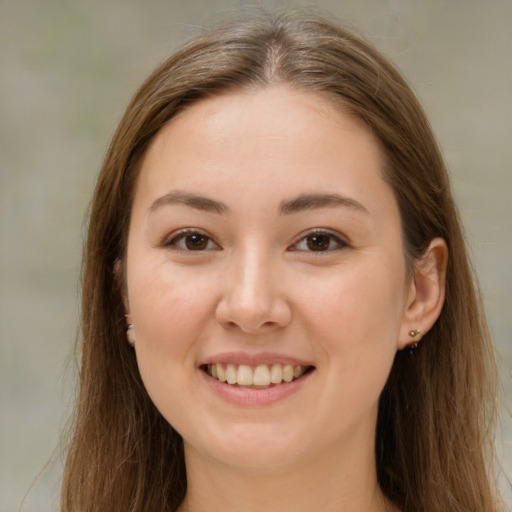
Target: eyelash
column 333, row 238
column 182, row 236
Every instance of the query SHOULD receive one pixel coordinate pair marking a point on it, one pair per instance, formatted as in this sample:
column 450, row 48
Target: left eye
column 192, row 241
column 319, row 242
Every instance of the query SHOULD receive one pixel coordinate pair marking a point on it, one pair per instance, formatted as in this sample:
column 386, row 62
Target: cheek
column 357, row 306
column 355, row 319
column 169, row 314
column 165, row 301
column 169, row 310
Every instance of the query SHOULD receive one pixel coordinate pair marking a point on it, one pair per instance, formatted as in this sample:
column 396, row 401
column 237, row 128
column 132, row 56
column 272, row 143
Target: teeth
column 276, row 374
column 298, row 371
column 244, row 375
column 221, row 374
column 262, row 375
column 231, row 374
column 288, row 373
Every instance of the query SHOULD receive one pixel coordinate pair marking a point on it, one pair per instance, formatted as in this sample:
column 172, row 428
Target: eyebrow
column 194, row 201
column 301, row 203
column 316, row 201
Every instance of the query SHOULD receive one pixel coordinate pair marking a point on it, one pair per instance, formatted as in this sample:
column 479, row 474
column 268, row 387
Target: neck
column 330, row 482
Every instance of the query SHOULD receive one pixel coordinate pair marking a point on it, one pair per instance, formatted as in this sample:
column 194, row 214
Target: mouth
column 262, row 376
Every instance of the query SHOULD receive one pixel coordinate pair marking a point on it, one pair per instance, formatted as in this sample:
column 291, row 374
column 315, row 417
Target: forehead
column 251, row 143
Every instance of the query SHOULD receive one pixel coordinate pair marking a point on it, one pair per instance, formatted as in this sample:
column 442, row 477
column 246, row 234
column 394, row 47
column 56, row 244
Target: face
column 265, row 248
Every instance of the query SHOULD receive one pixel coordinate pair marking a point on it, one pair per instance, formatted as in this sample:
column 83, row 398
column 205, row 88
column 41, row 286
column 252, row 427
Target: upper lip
column 261, row 358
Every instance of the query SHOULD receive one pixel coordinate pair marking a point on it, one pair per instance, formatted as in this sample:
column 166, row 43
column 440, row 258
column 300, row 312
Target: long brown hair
column 436, row 410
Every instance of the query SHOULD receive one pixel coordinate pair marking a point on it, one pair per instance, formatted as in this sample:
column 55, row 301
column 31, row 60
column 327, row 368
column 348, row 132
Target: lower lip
column 255, row 397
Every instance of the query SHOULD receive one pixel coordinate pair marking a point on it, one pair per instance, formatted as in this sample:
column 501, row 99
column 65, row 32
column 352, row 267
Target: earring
column 412, row 348
column 130, row 335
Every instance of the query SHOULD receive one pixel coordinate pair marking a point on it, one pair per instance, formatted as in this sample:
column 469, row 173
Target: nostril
column 249, row 327
column 251, row 314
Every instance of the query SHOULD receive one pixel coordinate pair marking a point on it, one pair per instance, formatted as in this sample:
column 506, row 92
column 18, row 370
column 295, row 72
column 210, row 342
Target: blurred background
column 68, row 68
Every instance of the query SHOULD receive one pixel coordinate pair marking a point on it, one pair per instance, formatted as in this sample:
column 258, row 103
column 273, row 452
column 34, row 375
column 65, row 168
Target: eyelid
column 340, row 240
column 170, row 242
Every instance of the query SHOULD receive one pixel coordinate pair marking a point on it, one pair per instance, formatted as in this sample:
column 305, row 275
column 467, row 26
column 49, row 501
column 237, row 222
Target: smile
column 257, row 377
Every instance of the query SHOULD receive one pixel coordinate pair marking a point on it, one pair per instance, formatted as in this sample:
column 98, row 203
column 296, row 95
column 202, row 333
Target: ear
column 426, row 294
column 121, row 283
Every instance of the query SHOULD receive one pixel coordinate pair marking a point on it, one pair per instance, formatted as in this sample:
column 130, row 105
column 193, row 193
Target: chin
column 252, row 449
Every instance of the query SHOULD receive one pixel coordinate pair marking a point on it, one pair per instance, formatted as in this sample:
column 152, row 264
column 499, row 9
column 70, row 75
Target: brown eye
column 318, row 242
column 191, row 241
column 196, row 242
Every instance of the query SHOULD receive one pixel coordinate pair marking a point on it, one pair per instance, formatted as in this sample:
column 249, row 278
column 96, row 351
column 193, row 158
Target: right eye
column 191, row 240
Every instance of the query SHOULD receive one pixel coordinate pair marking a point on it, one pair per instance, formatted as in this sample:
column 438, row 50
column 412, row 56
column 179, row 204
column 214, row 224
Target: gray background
column 68, row 68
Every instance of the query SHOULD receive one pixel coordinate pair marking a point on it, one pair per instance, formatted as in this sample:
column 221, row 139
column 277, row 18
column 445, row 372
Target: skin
column 255, row 286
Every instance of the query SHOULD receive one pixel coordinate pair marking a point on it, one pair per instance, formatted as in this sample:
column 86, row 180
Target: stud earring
column 130, row 335
column 413, row 347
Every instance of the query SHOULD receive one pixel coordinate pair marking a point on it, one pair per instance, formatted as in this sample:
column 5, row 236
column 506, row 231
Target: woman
column 278, row 309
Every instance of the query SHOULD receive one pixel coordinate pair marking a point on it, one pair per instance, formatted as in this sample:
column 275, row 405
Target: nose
column 253, row 298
